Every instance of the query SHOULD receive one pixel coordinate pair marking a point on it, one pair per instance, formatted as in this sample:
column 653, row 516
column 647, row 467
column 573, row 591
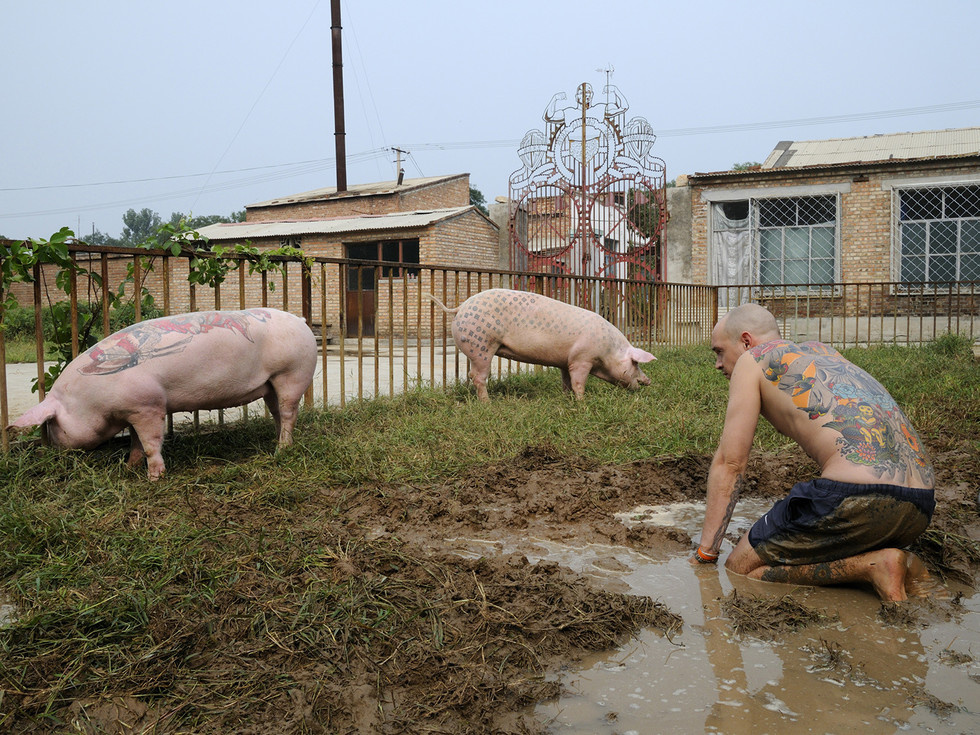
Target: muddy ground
column 484, row 637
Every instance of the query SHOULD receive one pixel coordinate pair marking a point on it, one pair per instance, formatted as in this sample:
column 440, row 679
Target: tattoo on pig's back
column 138, row 343
column 515, row 312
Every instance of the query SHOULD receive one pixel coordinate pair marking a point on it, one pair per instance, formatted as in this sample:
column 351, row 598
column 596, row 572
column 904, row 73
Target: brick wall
column 865, row 210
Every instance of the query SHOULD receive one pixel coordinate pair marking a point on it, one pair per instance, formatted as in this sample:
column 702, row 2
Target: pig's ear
column 638, row 355
column 36, row 416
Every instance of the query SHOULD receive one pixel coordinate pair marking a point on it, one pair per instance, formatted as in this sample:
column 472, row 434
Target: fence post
column 306, row 298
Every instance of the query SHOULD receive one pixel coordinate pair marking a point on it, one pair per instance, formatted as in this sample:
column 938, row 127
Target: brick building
column 901, row 208
column 428, row 221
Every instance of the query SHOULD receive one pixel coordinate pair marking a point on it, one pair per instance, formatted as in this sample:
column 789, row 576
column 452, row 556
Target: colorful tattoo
column 874, row 431
column 140, row 342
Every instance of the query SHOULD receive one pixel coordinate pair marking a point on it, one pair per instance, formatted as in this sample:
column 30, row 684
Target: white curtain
column 731, row 251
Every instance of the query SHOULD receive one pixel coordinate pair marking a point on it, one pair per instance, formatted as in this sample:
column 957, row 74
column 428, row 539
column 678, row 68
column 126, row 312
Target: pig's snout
column 633, row 378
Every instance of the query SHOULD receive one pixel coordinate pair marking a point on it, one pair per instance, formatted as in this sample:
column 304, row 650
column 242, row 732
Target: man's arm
column 726, row 476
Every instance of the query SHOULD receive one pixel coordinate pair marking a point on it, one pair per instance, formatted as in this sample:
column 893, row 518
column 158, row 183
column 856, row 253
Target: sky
column 205, row 107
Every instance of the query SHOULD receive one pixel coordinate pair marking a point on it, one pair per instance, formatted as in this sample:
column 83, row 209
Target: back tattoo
column 874, row 431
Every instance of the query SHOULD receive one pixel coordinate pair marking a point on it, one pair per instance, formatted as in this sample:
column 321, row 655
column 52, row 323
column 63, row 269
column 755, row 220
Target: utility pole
column 399, row 171
column 340, row 142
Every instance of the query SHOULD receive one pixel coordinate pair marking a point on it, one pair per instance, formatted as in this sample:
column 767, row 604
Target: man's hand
column 703, row 556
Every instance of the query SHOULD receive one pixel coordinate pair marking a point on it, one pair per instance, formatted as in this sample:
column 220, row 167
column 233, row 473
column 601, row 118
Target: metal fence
column 864, row 314
column 380, row 333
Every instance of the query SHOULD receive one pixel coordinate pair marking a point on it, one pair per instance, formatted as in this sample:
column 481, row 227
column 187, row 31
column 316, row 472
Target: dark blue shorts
column 823, row 520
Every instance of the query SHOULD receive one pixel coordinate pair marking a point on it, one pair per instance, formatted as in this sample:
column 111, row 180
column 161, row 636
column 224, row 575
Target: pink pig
column 202, row 360
column 536, row 329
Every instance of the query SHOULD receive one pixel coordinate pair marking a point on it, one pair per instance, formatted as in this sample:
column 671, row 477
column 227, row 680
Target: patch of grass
column 24, row 349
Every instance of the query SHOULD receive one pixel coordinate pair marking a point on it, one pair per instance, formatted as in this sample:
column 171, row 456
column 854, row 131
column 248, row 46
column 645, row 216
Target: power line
column 713, row 129
column 304, row 167
column 277, row 172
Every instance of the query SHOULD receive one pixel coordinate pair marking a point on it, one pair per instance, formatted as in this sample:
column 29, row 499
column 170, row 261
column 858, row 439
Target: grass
column 239, row 554
column 23, row 349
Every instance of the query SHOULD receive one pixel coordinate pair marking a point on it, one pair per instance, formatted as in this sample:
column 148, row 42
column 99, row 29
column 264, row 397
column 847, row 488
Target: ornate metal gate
column 590, row 198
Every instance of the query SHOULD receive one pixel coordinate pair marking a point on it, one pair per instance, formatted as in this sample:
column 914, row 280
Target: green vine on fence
column 207, row 266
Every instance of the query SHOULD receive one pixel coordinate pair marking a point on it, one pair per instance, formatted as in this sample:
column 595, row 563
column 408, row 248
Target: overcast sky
column 205, row 106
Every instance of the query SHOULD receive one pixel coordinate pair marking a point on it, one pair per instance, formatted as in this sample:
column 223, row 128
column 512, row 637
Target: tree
column 144, row 227
column 194, row 223
column 141, row 227
column 100, row 238
column 747, row 166
column 479, row 201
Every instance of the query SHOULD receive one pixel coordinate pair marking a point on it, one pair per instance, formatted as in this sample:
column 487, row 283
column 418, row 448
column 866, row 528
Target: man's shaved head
column 752, row 318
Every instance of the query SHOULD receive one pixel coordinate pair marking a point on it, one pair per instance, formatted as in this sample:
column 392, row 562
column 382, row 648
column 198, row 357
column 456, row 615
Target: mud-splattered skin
column 536, row 329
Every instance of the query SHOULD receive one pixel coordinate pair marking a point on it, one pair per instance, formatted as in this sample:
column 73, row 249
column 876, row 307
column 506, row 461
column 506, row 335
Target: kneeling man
column 875, row 490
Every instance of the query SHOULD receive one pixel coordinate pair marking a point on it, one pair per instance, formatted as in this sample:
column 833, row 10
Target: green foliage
column 141, row 228
column 746, row 166
column 479, row 201
column 643, row 211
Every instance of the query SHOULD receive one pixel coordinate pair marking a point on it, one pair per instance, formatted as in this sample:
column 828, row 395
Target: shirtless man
column 875, row 490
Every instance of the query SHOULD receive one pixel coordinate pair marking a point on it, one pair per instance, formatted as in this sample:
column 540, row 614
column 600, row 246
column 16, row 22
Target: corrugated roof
column 329, row 226
column 873, row 148
column 379, row 187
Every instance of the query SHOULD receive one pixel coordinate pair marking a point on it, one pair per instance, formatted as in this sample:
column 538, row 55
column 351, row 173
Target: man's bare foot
column 919, row 583
column 887, row 572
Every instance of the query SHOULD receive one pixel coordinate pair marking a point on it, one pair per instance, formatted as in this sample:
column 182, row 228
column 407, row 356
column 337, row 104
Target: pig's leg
column 566, row 380
column 136, row 453
column 479, row 372
column 578, row 373
column 283, row 402
column 148, row 426
column 272, row 403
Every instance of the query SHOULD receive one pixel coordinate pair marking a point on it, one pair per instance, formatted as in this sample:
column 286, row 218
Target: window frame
column 758, row 230
column 941, row 190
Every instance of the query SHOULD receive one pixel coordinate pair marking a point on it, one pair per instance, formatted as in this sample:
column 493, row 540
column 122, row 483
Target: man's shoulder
column 778, row 348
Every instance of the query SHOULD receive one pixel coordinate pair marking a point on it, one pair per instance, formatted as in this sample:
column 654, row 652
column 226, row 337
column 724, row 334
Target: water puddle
column 855, row 673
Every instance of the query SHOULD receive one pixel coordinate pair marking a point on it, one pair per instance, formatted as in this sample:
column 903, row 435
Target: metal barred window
column 939, row 234
column 796, row 239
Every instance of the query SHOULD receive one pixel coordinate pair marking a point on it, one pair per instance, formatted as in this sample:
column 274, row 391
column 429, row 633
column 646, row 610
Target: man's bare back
column 840, row 415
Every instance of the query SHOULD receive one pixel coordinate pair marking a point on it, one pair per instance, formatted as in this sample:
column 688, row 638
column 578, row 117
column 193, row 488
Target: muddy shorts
column 823, row 520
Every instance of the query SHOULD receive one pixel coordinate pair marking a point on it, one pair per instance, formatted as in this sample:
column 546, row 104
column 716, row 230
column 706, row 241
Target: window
column 797, row 238
column 939, row 234
column 391, row 251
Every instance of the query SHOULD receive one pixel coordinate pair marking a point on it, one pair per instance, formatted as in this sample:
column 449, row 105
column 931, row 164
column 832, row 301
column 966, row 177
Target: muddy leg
column 894, row 574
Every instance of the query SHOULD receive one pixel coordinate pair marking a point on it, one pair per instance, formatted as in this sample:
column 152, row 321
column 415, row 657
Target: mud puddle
column 861, row 666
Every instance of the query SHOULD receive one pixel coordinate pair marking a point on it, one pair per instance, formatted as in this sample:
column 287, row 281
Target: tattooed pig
column 536, row 329
column 202, row 360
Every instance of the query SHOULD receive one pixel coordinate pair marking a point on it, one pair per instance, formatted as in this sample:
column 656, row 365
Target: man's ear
column 746, row 339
